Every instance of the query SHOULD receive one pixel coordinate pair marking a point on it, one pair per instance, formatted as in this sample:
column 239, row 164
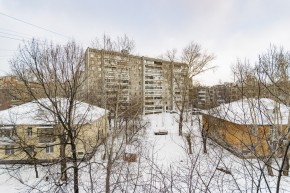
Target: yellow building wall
column 20, row 142
column 89, row 135
column 240, row 137
column 92, row 134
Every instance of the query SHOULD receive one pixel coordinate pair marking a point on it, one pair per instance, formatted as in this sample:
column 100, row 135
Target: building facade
column 118, row 77
column 205, row 97
column 30, row 133
column 249, row 127
column 8, row 96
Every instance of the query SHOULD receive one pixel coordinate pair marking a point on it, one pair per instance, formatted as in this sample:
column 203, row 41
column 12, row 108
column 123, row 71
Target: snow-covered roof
column 262, row 111
column 132, row 149
column 35, row 112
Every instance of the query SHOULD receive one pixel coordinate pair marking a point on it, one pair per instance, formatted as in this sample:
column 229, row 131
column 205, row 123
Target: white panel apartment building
column 134, row 78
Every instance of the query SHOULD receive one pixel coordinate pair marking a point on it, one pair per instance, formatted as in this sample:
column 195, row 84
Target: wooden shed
column 130, row 153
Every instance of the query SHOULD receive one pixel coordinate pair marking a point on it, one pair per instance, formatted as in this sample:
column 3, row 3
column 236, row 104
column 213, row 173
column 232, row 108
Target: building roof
column 132, row 56
column 262, row 111
column 131, row 149
column 33, row 113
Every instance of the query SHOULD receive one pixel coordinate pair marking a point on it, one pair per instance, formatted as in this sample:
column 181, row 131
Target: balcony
column 46, row 135
column 7, row 135
column 153, row 93
column 46, row 139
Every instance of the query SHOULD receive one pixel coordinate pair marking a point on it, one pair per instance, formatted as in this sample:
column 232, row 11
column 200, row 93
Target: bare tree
column 272, row 71
column 194, row 61
column 120, row 44
column 54, row 71
column 125, row 120
column 266, row 139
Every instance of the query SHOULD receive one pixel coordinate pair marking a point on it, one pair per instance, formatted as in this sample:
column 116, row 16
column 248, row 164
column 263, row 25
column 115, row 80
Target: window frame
column 49, row 149
column 29, row 131
column 9, row 150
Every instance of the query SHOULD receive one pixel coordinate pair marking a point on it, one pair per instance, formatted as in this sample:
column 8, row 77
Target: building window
column 273, row 145
column 273, row 133
column 45, row 135
column 9, row 150
column 253, row 131
column 49, row 149
column 7, row 132
column 80, row 154
column 30, row 150
column 29, row 131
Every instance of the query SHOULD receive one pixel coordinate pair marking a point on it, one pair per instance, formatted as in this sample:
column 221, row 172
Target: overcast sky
column 229, row 29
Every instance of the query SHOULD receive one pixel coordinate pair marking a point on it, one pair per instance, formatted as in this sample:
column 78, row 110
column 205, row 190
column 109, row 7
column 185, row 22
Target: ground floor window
column 49, row 149
column 30, row 150
column 9, row 150
column 29, row 131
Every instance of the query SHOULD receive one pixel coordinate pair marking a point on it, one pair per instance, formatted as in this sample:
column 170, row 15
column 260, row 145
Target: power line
column 7, row 50
column 9, row 34
column 11, row 38
column 5, row 56
column 34, row 25
column 15, row 32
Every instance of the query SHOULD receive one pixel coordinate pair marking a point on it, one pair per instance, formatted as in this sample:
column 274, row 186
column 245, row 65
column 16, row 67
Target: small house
column 130, row 153
column 253, row 127
column 32, row 131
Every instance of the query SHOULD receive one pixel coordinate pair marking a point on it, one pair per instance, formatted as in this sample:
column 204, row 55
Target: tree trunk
column 204, row 134
column 35, row 169
column 75, row 167
column 188, row 139
column 105, row 155
column 63, row 164
column 269, row 167
column 180, row 123
column 286, row 167
column 204, row 144
column 126, row 130
column 91, row 177
column 108, row 176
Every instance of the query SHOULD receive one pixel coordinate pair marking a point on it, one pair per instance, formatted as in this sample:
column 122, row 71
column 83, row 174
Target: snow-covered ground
column 206, row 172
column 163, row 165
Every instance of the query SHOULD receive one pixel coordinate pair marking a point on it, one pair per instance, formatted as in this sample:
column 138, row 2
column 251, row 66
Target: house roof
column 132, row 149
column 33, row 113
column 262, row 111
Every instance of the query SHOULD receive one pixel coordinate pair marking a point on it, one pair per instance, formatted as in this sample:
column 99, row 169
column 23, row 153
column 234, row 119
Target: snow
column 252, row 111
column 5, row 141
column 165, row 148
column 33, row 113
column 131, row 149
column 165, row 166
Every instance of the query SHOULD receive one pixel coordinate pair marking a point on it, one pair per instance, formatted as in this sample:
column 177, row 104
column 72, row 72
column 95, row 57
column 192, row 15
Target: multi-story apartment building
column 124, row 78
column 205, row 97
column 8, row 95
